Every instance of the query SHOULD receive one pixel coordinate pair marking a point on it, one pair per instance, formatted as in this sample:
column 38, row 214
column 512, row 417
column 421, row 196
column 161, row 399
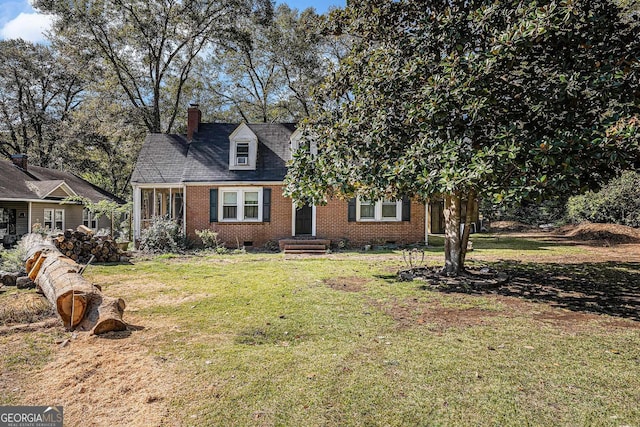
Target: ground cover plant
column 268, row 339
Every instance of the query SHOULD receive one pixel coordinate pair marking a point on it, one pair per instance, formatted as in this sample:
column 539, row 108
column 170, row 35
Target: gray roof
column 161, row 159
column 36, row 182
column 171, row 159
column 43, row 188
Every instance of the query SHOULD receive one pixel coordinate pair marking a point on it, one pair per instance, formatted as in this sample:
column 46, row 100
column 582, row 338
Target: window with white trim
column 367, row 210
column 251, row 205
column 54, row 219
column 381, row 210
column 89, row 219
column 229, row 205
column 240, row 204
column 242, row 154
column 294, row 144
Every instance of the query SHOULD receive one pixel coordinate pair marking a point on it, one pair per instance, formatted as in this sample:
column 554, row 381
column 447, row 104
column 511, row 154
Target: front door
column 304, row 221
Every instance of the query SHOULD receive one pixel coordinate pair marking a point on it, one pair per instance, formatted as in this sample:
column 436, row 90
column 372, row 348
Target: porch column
column 313, row 221
column 137, row 212
column 184, row 210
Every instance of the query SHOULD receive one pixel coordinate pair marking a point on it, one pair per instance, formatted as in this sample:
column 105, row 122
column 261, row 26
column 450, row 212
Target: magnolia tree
column 469, row 99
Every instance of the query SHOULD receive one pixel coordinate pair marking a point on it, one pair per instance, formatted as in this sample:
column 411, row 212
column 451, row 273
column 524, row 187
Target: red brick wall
column 332, row 224
column 258, row 232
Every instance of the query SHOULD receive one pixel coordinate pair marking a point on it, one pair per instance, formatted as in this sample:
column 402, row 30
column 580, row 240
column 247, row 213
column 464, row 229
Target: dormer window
column 243, row 149
column 295, row 141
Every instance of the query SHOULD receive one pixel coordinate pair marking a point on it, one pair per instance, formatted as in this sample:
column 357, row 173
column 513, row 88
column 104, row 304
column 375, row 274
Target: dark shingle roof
column 161, row 159
column 37, row 181
column 206, row 158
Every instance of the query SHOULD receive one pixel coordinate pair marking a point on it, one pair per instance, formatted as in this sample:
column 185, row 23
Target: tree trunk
column 79, row 303
column 453, row 262
column 455, row 240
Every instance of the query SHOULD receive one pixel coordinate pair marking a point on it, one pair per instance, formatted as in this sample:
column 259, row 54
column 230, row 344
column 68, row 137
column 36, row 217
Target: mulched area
column 611, row 233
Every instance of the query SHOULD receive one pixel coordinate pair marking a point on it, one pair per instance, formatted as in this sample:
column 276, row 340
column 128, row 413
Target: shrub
column 13, row 259
column 272, row 246
column 163, row 235
column 210, row 240
column 617, row 202
column 528, row 212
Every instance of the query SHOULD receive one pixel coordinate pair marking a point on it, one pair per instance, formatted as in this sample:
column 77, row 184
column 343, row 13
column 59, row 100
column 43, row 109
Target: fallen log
column 80, row 304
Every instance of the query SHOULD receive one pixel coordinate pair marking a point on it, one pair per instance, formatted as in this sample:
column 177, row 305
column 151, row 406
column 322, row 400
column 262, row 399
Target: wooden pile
column 81, row 245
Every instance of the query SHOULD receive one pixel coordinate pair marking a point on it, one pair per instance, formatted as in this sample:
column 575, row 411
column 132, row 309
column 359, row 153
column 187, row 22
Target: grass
column 258, row 339
column 23, row 307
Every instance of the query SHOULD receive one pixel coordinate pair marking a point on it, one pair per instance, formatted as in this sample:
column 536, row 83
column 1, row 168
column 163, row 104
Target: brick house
column 31, row 195
column 229, row 178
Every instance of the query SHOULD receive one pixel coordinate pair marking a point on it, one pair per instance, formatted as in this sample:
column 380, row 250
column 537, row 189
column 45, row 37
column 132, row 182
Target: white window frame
column 245, row 159
column 89, row 217
column 53, row 219
column 240, row 203
column 294, row 144
column 378, row 212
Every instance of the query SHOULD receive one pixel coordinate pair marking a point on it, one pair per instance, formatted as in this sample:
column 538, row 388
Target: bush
column 210, row 240
column 272, row 246
column 530, row 213
column 618, row 202
column 163, row 235
column 14, row 259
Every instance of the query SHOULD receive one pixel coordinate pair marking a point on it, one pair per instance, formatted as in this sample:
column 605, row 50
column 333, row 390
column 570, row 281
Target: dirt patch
column 140, row 294
column 24, row 307
column 412, row 313
column 346, row 284
column 104, row 379
column 605, row 233
column 409, row 313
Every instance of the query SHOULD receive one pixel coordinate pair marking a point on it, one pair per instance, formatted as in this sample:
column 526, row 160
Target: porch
column 152, row 202
column 14, row 221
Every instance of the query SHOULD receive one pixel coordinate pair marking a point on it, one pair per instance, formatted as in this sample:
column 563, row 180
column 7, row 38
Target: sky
column 19, row 20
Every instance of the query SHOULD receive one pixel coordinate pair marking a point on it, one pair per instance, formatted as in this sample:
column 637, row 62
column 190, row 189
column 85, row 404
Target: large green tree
column 38, row 92
column 102, row 141
column 148, row 47
column 268, row 74
column 471, row 99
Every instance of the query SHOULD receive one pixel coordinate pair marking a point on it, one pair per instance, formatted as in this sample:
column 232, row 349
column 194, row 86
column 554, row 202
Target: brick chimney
column 20, row 160
column 194, row 115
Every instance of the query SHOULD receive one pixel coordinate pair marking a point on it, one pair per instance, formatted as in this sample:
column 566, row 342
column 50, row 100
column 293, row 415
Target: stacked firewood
column 81, row 245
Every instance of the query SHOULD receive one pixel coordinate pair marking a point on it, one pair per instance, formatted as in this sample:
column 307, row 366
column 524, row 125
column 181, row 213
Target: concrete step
column 305, row 247
column 304, row 242
column 305, row 252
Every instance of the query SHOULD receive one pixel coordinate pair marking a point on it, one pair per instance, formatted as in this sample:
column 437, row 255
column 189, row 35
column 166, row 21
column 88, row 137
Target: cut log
column 85, row 230
column 79, row 303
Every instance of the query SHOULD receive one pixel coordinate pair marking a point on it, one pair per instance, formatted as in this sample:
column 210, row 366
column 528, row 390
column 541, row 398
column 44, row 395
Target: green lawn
column 259, row 339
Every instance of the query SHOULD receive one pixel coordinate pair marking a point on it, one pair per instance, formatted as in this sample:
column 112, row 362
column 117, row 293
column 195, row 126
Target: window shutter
column 213, row 205
column 351, row 210
column 406, row 209
column 266, row 205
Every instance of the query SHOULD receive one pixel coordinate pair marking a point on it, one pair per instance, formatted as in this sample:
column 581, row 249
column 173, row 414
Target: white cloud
column 27, row 26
